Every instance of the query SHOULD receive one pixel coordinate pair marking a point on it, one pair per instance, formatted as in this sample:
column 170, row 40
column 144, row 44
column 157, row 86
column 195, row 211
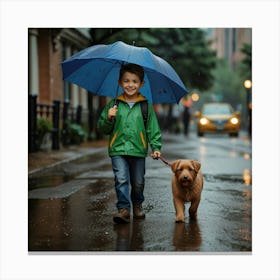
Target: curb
column 81, row 153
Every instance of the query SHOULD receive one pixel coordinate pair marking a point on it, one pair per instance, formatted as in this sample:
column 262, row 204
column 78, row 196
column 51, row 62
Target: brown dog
column 187, row 185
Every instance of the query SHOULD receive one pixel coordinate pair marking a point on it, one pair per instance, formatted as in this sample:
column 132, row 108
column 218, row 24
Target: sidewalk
column 42, row 160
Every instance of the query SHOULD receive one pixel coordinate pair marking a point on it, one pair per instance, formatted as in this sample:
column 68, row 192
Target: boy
column 128, row 143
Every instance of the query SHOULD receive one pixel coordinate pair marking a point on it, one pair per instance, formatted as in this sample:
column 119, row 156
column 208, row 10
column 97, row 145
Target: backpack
column 144, row 110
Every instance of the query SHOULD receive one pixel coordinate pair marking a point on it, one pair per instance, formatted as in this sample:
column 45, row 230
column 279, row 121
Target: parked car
column 218, row 118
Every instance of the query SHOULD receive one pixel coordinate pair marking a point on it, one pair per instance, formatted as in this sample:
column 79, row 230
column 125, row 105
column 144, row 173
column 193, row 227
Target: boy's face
column 131, row 84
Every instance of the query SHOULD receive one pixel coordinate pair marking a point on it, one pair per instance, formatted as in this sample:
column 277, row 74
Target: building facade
column 50, row 97
column 228, row 42
column 47, row 48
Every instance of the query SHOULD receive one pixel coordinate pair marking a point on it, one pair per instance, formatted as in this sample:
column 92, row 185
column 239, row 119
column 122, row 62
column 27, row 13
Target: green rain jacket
column 127, row 131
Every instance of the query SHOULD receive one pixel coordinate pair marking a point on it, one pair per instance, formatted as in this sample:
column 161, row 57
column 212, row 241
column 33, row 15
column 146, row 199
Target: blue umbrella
column 97, row 69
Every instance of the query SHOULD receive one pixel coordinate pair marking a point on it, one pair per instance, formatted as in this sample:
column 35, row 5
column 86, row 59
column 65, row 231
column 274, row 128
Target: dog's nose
column 186, row 178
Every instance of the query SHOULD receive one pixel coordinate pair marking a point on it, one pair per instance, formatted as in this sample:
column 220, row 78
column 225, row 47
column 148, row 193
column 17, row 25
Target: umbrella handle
column 116, row 96
column 115, row 104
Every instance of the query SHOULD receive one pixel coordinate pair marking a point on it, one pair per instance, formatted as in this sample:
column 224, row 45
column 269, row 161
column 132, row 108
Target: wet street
column 71, row 206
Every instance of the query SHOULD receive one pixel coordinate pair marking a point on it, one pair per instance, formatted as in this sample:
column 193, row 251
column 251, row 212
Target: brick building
column 47, row 48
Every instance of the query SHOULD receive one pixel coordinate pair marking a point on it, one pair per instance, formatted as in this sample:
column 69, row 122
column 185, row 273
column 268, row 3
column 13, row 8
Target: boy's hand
column 112, row 112
column 156, row 154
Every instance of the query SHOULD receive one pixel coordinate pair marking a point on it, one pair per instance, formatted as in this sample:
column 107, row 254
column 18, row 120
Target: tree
column 245, row 67
column 186, row 49
column 227, row 85
column 110, row 35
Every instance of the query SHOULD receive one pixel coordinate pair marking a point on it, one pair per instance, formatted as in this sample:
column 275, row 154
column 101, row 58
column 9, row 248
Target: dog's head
column 185, row 171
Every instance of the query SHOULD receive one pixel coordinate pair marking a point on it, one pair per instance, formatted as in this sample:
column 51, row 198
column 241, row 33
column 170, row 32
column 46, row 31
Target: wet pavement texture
column 71, row 205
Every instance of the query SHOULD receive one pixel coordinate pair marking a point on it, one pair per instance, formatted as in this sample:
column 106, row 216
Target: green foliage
column 73, row 133
column 228, row 86
column 187, row 50
column 44, row 126
column 228, row 83
column 245, row 67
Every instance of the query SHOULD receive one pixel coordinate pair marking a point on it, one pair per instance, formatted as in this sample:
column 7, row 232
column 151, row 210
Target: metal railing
column 52, row 112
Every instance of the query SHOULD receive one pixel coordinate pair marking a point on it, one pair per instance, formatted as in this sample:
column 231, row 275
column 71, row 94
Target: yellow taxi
column 218, row 118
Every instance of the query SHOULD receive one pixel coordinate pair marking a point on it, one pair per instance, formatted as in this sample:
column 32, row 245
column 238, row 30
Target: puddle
column 244, row 178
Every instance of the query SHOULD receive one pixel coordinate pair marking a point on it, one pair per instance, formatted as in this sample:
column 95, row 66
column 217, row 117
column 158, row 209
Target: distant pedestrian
column 128, row 141
column 187, row 102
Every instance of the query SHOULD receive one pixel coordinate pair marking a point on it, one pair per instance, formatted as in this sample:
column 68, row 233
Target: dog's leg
column 180, row 210
column 193, row 209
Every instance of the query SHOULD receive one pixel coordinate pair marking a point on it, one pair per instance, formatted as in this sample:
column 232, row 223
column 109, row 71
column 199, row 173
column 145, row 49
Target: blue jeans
column 129, row 170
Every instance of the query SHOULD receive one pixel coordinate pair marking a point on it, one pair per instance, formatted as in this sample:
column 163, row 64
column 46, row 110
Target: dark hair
column 132, row 68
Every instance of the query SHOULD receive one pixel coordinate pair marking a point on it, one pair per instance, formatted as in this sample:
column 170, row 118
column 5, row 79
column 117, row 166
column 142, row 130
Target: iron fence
column 59, row 115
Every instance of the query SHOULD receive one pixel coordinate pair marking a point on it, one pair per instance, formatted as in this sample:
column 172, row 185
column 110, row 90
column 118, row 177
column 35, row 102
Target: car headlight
column 234, row 120
column 203, row 121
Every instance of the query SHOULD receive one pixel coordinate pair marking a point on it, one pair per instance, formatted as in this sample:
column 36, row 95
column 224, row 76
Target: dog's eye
column 179, row 169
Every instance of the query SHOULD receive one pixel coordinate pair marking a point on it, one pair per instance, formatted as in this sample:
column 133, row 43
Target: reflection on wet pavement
column 247, row 177
column 187, row 236
column 71, row 207
column 129, row 236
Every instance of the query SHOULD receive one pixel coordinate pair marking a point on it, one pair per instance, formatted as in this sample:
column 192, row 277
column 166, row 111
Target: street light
column 248, row 86
column 195, row 97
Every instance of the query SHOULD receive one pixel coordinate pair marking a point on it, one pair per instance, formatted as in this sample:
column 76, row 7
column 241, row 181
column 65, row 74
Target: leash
column 163, row 160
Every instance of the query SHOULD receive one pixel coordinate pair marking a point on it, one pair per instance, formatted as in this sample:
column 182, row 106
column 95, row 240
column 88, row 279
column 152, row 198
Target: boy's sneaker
column 138, row 212
column 122, row 217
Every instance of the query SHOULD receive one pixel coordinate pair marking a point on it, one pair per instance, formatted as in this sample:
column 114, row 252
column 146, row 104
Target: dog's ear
column 196, row 165
column 174, row 165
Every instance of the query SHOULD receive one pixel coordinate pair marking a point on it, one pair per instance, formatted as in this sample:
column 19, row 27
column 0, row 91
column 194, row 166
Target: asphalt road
column 71, row 206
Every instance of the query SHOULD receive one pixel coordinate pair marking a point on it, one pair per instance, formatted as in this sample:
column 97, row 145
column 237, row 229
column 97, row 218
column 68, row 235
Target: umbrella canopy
column 97, row 69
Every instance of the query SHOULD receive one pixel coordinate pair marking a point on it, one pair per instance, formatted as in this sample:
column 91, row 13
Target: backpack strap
column 144, row 109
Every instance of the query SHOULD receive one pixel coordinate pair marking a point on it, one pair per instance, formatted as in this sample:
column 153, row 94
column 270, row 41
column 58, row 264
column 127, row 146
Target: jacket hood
column 140, row 97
